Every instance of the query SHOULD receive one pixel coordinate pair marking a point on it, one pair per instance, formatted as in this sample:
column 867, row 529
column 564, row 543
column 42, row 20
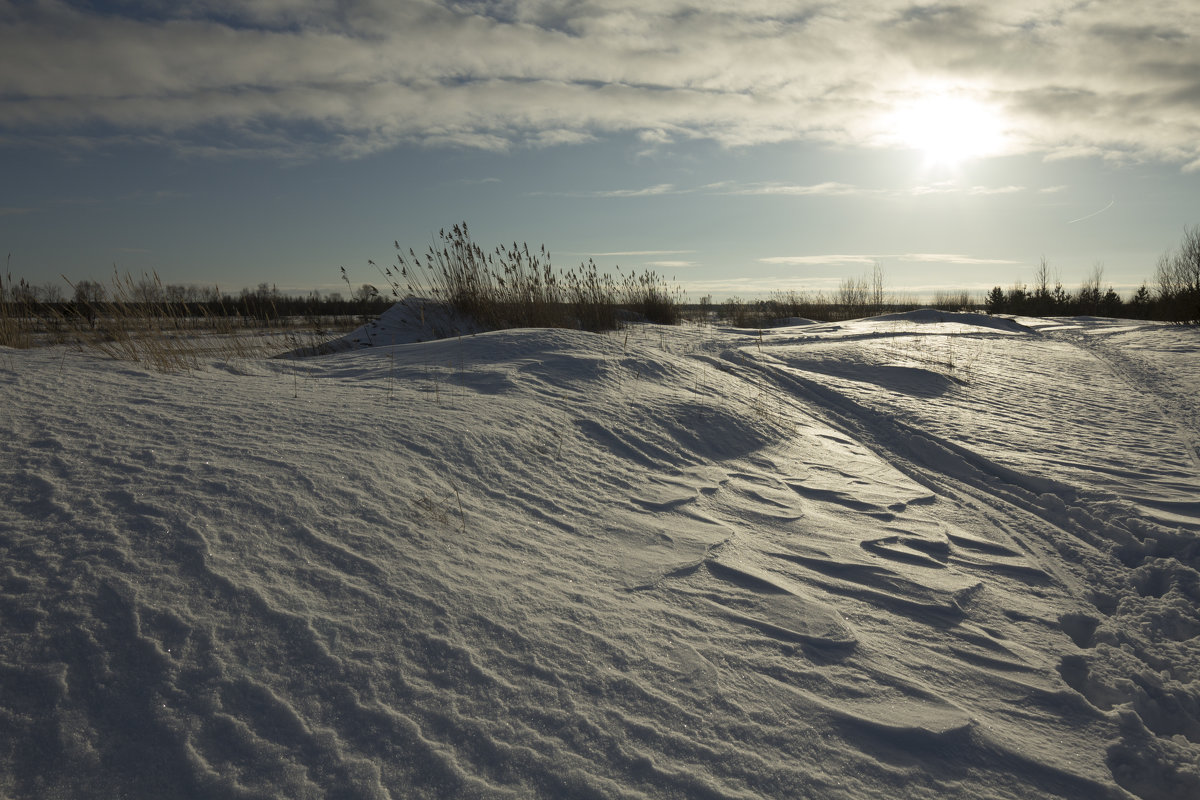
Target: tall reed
column 516, row 287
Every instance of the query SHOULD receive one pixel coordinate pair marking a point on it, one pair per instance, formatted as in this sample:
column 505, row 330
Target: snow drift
column 923, row 555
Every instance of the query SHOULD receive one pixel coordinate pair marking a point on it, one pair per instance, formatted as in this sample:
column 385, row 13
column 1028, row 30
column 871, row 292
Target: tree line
column 1174, row 296
column 88, row 300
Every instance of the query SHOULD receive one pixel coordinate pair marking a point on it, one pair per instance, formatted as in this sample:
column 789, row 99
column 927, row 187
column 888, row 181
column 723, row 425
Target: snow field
column 926, row 555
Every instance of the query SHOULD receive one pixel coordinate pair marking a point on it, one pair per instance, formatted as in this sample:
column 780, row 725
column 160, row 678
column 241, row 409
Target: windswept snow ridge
column 922, row 555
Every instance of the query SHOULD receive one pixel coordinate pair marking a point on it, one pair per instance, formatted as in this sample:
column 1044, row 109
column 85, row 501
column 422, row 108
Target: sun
column 948, row 129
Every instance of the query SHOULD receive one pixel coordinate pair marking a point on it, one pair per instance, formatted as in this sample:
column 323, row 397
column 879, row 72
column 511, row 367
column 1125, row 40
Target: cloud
column 10, row 211
column 672, row 264
column 646, row 191
column 729, row 188
column 655, row 136
column 553, row 138
column 637, row 253
column 305, row 78
column 986, row 190
column 941, row 187
column 951, row 187
column 825, row 260
column 827, row 188
column 952, row 258
column 872, row 259
column 759, row 286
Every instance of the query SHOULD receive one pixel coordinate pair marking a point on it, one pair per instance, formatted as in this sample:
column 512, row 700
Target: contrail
column 1111, row 203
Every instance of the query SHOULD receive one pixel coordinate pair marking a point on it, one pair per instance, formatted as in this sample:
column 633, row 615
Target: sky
column 737, row 148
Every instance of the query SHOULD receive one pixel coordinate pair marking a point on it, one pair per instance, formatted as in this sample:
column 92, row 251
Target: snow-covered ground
column 924, row 555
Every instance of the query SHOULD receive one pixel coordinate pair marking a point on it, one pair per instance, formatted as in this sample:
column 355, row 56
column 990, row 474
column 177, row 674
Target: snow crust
column 920, row 555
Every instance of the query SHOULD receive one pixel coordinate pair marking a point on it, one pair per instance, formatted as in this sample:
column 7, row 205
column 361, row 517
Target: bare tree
column 1187, row 262
column 1178, row 278
column 50, row 293
column 877, row 297
column 365, row 293
column 1043, row 300
column 90, row 292
column 89, row 295
column 1089, row 290
column 853, row 294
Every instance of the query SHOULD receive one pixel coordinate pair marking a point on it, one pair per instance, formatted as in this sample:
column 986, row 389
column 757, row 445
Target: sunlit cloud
column 646, row 191
column 554, row 138
column 655, row 136
column 952, row 187
column 822, row 260
column 824, row 286
column 986, row 190
column 303, row 78
column 842, row 259
column 941, row 187
column 642, row 191
column 827, row 188
column 952, row 258
column 621, row 253
column 761, row 286
column 672, row 264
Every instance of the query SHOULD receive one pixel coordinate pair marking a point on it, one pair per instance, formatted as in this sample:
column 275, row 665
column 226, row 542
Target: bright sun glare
column 948, row 129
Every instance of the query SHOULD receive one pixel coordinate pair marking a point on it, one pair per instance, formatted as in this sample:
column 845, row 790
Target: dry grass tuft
column 17, row 312
column 515, row 287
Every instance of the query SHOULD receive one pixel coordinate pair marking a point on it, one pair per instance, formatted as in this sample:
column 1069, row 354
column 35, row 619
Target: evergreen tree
column 1111, row 303
column 1018, row 300
column 994, row 303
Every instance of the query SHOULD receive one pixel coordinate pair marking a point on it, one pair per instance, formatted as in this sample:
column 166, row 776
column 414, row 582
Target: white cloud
column 871, row 259
column 553, row 138
column 763, row 286
column 986, row 190
column 941, row 187
column 952, row 258
column 637, row 253
column 672, row 264
column 646, row 191
column 300, row 78
column 655, row 136
column 823, row 260
column 827, row 188
column 731, row 188
column 951, row 187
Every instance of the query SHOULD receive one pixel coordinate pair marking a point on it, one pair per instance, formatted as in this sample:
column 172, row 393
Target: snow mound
column 932, row 316
column 405, row 322
column 922, row 555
